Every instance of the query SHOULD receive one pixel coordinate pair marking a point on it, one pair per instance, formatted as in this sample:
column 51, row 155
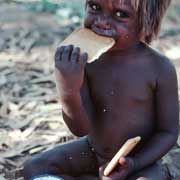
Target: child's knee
column 29, row 165
column 33, row 167
column 44, row 164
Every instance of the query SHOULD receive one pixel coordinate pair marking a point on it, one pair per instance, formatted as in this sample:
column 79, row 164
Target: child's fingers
column 83, row 59
column 58, row 57
column 58, row 53
column 75, row 55
column 121, row 173
column 101, row 170
column 67, row 53
column 124, row 162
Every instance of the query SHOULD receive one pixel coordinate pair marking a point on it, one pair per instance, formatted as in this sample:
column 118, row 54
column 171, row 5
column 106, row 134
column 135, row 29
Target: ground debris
column 30, row 114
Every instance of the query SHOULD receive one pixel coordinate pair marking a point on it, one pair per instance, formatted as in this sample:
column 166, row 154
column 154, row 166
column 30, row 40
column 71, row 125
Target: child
column 130, row 91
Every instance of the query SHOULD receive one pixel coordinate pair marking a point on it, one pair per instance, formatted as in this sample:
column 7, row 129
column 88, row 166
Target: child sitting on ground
column 129, row 91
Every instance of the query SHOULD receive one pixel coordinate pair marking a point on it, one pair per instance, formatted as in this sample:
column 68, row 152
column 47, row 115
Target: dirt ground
column 30, row 118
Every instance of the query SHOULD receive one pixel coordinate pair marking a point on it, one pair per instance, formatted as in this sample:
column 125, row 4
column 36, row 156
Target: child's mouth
column 108, row 33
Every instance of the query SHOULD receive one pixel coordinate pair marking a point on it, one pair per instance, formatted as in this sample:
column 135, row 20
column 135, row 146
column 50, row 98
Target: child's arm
column 167, row 125
column 167, row 116
column 72, row 88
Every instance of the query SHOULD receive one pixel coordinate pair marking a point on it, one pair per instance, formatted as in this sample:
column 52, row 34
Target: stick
column 124, row 151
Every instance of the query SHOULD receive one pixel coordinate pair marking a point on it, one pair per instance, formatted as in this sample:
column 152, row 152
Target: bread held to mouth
column 89, row 42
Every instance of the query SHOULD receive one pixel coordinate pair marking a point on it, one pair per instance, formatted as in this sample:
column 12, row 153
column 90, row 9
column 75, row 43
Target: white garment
column 47, row 177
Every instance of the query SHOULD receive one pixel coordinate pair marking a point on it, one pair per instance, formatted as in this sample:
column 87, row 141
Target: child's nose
column 102, row 24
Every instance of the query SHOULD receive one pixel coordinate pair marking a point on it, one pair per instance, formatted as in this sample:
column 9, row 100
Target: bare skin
column 129, row 91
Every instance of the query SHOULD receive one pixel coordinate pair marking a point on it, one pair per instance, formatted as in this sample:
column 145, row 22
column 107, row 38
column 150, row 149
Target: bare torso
column 122, row 92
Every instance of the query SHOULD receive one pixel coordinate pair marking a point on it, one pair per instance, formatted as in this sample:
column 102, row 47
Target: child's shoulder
column 163, row 66
column 161, row 62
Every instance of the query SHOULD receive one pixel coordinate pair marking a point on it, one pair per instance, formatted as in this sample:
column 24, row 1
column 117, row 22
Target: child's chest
column 125, row 96
column 121, row 85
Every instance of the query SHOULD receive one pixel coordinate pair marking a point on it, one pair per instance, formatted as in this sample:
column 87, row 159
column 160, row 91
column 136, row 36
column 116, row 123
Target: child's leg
column 153, row 172
column 71, row 159
column 87, row 177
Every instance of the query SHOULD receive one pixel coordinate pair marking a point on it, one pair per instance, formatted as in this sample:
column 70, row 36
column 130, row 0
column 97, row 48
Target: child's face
column 115, row 19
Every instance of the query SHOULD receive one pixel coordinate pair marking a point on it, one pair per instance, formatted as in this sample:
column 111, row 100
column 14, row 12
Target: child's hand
column 125, row 168
column 69, row 69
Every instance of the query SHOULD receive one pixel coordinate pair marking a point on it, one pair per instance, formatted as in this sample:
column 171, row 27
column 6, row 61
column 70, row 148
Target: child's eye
column 121, row 14
column 94, row 6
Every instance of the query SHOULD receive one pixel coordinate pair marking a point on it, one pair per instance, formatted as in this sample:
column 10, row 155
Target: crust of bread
column 90, row 42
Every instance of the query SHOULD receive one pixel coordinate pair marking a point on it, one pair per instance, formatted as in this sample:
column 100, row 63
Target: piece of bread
column 128, row 146
column 90, row 42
